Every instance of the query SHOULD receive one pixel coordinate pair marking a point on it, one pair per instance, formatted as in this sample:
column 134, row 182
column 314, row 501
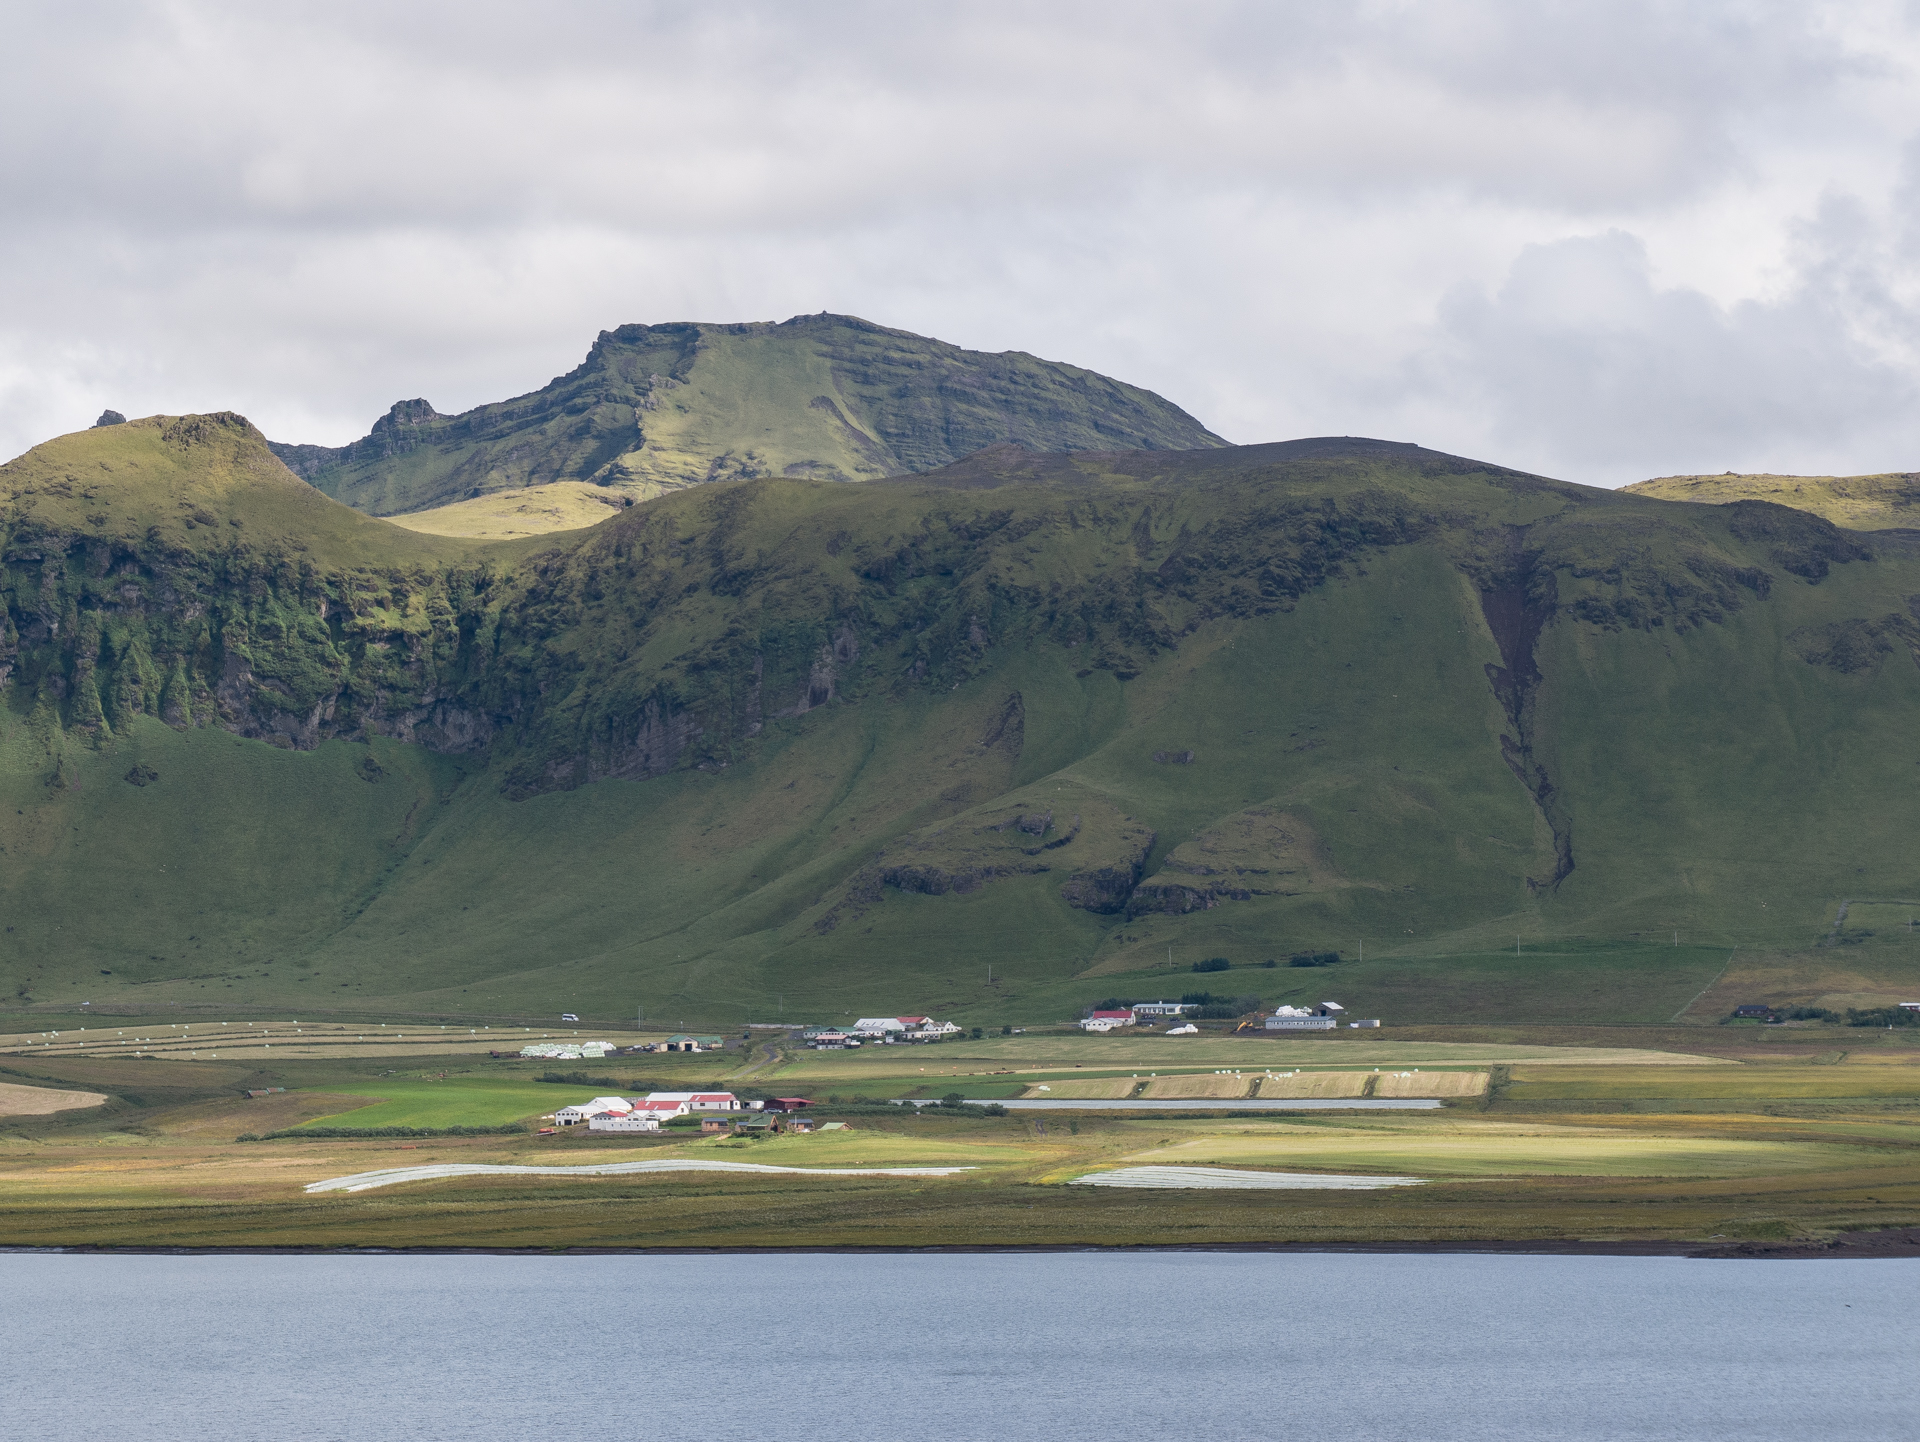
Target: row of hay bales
column 1236, row 1085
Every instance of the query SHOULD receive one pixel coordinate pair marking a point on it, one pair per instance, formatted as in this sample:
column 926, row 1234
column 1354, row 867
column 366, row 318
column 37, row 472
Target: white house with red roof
column 1107, row 1020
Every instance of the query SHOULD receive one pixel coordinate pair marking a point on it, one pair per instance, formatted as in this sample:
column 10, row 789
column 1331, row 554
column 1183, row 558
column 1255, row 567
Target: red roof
column 1104, row 1015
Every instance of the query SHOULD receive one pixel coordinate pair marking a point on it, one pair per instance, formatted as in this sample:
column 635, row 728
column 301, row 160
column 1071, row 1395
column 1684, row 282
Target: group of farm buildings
column 1325, row 1017
column 718, row 1111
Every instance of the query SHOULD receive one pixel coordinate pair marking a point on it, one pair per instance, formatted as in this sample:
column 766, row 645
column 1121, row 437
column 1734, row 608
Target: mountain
column 783, row 746
column 658, row 407
column 1862, row 503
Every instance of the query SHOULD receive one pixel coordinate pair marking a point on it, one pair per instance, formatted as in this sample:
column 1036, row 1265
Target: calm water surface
column 1158, row 1346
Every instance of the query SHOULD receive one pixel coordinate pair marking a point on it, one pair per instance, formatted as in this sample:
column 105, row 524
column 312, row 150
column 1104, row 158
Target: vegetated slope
column 792, row 744
column 1860, row 503
column 507, row 515
column 825, row 397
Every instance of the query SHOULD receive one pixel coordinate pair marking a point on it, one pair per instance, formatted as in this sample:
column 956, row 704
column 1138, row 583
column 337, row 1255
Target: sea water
column 1107, row 1346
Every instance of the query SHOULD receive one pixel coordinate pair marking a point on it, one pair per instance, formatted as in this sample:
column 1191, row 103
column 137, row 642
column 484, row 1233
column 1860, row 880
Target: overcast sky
column 1601, row 241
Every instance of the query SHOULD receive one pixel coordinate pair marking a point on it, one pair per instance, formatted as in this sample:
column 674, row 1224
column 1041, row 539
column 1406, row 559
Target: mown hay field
column 1430, row 1084
column 1315, row 1084
column 19, row 1101
column 1483, row 1149
column 1090, row 1089
column 1204, row 1084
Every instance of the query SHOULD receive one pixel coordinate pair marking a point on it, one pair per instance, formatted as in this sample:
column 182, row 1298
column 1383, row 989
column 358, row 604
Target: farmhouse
column 1114, row 1018
column 1160, row 1008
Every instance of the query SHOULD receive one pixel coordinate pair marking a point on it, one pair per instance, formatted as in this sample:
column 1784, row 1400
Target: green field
column 462, row 1102
column 1781, row 1139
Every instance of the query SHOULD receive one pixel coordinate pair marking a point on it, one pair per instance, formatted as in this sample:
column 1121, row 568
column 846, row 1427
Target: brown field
column 19, row 1101
column 1206, row 1084
column 1090, row 1089
column 1430, row 1084
column 1316, row 1084
column 289, row 1041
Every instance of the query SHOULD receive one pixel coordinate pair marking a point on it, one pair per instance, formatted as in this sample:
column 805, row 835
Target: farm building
column 1754, row 1011
column 699, row 1101
column 904, row 1028
column 631, row 1122
column 1113, row 1018
column 787, row 1104
column 682, row 1041
column 1294, row 1018
column 1160, row 1008
column 574, row 1115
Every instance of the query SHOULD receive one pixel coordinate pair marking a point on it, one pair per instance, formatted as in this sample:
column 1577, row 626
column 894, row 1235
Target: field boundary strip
column 366, row 1181
column 1226, row 1179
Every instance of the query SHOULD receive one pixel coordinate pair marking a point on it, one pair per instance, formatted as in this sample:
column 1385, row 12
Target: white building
column 878, row 1025
column 1295, row 1018
column 1160, row 1008
column 646, row 1116
column 574, row 1115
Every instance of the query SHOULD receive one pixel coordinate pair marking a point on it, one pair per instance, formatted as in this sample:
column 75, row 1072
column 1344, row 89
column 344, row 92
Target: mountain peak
column 657, row 407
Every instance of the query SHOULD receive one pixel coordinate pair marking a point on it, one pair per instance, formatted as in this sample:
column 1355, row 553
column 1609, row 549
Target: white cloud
column 1603, row 240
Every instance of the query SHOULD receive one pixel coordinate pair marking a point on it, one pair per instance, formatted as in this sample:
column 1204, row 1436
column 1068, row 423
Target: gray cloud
column 1606, row 241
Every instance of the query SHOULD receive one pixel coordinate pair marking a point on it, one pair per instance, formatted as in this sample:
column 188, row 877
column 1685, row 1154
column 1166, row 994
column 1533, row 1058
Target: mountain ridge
column 1061, row 712
column 659, row 407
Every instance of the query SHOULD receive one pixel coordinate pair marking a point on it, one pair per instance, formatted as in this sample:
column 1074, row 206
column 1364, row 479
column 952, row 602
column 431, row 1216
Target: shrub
column 979, row 1032
column 1199, row 998
column 1007, row 1030
column 1882, row 1016
column 1269, row 963
column 952, row 1099
column 1810, row 1013
column 994, row 1109
column 1212, row 963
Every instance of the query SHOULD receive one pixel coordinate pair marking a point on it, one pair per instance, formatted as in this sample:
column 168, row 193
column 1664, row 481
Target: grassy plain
column 1806, row 1140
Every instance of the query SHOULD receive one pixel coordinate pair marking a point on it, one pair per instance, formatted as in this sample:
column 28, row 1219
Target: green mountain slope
column 825, row 397
column 786, row 744
column 1860, row 503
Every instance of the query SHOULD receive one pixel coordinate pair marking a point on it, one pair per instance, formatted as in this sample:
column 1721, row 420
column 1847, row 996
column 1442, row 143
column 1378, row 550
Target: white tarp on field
column 1209, row 1177
column 366, row 1181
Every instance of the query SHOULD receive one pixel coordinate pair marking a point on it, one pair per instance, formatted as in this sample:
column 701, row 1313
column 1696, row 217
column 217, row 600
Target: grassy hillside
column 535, row 511
column 790, row 748
column 1860, row 503
column 823, row 397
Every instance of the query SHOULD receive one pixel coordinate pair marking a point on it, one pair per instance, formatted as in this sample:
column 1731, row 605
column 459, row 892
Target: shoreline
column 1890, row 1243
